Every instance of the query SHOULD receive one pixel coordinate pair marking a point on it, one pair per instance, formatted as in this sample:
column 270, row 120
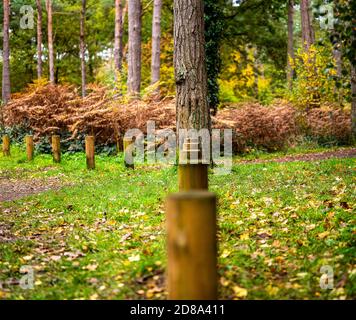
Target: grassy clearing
column 103, row 238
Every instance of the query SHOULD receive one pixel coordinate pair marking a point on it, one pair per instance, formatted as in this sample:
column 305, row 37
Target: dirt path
column 338, row 154
column 12, row 189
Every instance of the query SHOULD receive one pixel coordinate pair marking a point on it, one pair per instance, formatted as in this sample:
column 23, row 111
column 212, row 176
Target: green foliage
column 214, row 27
column 315, row 81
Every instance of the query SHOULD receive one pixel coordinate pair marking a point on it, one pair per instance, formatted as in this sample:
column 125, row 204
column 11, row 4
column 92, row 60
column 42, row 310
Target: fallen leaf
column 239, row 292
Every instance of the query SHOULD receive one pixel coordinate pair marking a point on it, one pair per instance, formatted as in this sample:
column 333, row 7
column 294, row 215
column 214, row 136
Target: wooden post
column 192, row 246
column 6, row 145
column 90, row 152
column 56, row 149
column 29, row 147
column 192, row 176
column 128, row 152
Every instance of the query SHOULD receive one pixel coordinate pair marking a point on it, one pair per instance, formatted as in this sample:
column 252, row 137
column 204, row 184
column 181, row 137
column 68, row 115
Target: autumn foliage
column 49, row 109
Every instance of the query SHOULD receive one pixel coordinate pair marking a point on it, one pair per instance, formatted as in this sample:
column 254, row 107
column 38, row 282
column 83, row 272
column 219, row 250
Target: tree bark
column 50, row 41
column 307, row 28
column 6, row 86
column 82, row 46
column 290, row 71
column 189, row 63
column 119, row 23
column 353, row 101
column 134, row 60
column 156, row 43
column 39, row 39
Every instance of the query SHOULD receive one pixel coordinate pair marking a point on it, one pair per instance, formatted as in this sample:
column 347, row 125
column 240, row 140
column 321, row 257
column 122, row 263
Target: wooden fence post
column 56, row 148
column 6, row 145
column 192, row 176
column 90, row 151
column 192, row 246
column 29, row 147
column 128, row 152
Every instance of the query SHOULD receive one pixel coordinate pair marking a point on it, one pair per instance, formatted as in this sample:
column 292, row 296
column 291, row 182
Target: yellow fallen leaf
column 225, row 253
column 272, row 291
column 134, row 258
column 323, row 234
column 224, row 282
column 28, row 258
column 240, row 292
column 244, row 236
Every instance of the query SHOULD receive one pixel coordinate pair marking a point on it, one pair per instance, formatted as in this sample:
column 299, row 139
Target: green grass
column 104, row 236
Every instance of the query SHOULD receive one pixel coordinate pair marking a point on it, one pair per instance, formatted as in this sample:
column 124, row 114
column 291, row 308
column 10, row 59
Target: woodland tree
column 50, row 41
column 156, row 43
column 39, row 38
column 82, row 46
column 290, row 72
column 6, row 87
column 189, row 64
column 120, row 13
column 307, row 27
column 134, row 59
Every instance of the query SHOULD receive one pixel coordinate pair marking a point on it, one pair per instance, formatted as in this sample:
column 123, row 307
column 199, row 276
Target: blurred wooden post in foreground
column 192, row 246
column 6, row 145
column 56, row 149
column 29, row 147
column 128, row 152
column 192, row 176
column 90, row 152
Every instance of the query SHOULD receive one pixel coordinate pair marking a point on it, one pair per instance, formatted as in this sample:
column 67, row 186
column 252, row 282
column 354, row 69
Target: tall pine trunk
column 119, row 32
column 353, row 101
column 134, row 60
column 6, row 86
column 290, row 71
column 189, row 63
column 307, row 28
column 39, row 39
column 156, row 43
column 82, row 46
column 50, row 41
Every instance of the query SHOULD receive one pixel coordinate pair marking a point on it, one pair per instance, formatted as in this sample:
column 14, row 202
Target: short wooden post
column 128, row 152
column 56, row 148
column 29, row 147
column 6, row 145
column 192, row 246
column 192, row 176
column 90, row 152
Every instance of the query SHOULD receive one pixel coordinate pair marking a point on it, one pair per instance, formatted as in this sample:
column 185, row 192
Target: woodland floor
column 100, row 234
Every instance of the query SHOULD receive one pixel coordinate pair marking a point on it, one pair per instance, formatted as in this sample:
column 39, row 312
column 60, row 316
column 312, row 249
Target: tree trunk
column 50, row 41
column 39, row 39
column 189, row 63
column 156, row 43
column 290, row 71
column 307, row 28
column 6, row 86
column 82, row 46
column 118, row 45
column 353, row 102
column 134, row 60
